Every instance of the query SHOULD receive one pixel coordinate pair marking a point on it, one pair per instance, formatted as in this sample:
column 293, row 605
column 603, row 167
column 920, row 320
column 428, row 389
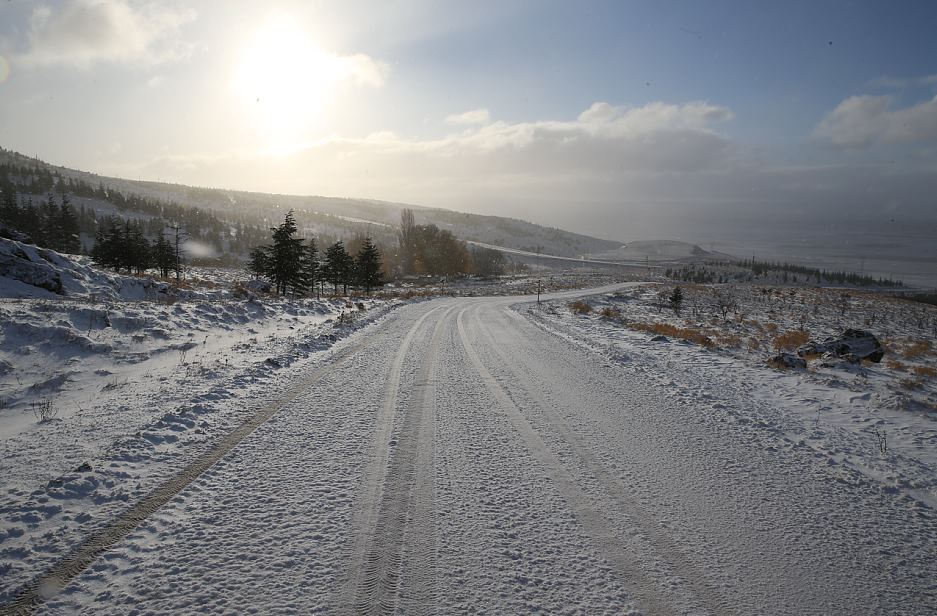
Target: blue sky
column 564, row 113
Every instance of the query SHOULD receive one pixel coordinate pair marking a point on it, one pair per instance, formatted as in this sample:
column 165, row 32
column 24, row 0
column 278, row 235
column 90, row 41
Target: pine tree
column 67, row 228
column 164, row 257
column 309, row 266
column 259, row 262
column 368, row 266
column 676, row 300
column 286, row 256
column 337, row 268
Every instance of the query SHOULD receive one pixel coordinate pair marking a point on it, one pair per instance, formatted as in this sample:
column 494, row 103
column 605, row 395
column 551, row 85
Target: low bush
column 672, row 331
column 790, row 340
column 896, row 366
column 580, row 307
column 927, row 371
column 610, row 313
column 917, row 349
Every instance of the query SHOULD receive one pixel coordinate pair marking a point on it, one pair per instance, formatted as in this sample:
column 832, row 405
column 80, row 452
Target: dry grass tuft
column 610, row 313
column 672, row 331
column 580, row 307
column 927, row 371
column 788, row 341
column 917, row 349
column 894, row 364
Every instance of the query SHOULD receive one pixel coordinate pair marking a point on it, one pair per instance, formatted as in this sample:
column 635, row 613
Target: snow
column 839, row 410
column 135, row 387
column 463, row 454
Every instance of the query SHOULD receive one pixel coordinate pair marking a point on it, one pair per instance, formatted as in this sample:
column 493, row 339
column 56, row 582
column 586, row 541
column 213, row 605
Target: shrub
column 896, row 365
column 788, row 341
column 682, row 333
column 580, row 307
column 610, row 313
column 917, row 349
column 927, row 371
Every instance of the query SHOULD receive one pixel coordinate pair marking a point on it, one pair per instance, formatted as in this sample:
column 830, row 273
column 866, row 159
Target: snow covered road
column 456, row 458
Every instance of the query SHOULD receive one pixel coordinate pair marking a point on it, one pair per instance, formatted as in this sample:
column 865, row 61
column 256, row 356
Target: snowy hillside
column 659, row 250
column 337, row 217
column 107, row 382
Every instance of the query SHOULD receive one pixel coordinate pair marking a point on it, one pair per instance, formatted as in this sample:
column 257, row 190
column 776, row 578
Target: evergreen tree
column 309, row 266
column 259, row 262
column 338, row 266
column 67, row 228
column 286, row 256
column 676, row 300
column 164, row 257
column 368, row 266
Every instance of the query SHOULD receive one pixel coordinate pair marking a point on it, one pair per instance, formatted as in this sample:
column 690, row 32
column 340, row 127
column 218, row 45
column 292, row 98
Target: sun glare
column 285, row 81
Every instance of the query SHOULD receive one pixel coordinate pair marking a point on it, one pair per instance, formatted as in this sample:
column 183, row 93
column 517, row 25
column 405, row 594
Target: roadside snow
column 856, row 416
column 109, row 387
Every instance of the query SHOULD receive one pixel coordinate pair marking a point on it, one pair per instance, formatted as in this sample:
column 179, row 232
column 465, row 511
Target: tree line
column 429, row 250
column 292, row 264
column 52, row 223
column 122, row 246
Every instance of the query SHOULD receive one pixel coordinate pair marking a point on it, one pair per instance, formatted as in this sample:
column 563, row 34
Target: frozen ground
column 110, row 388
column 468, row 455
column 847, row 413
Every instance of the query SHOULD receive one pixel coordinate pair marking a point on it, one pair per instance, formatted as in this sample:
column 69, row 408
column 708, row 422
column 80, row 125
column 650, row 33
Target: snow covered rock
column 854, row 345
column 30, row 266
column 787, row 361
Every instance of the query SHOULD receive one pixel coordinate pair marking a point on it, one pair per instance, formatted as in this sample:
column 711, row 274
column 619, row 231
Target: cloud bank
column 82, row 33
column 864, row 121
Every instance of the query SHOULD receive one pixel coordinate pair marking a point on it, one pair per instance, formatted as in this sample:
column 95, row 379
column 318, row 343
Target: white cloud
column 603, row 151
column 364, row 70
column 863, row 121
column 894, row 83
column 475, row 116
column 82, row 33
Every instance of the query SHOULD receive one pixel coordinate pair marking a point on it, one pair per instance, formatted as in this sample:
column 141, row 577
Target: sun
column 285, row 81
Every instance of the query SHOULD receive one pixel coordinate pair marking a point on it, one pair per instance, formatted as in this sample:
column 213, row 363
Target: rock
column 84, row 468
column 25, row 264
column 660, row 339
column 787, row 361
column 854, row 345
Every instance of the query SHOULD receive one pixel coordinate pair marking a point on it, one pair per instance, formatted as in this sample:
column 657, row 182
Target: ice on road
column 459, row 459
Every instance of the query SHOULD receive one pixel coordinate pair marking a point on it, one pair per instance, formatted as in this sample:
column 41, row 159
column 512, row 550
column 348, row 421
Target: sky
column 598, row 117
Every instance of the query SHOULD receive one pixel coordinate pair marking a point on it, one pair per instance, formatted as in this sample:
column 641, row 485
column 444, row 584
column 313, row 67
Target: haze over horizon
column 605, row 118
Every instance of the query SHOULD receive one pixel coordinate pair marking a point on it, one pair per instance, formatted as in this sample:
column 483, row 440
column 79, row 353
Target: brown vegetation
column 580, row 307
column 790, row 340
column 672, row 331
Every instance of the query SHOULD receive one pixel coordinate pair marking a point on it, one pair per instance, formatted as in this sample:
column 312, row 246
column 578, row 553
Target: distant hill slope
column 340, row 217
column 660, row 250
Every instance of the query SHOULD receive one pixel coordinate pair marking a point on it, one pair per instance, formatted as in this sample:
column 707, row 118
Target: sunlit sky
column 583, row 115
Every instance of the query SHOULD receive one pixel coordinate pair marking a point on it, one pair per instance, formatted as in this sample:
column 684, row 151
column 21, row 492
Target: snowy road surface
column 456, row 458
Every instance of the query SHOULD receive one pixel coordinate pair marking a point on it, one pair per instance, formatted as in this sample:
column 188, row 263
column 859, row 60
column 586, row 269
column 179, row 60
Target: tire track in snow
column 397, row 506
column 604, row 538
column 62, row 572
column 663, row 546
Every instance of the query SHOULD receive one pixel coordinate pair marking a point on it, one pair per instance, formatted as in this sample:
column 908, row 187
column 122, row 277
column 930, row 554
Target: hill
column 328, row 217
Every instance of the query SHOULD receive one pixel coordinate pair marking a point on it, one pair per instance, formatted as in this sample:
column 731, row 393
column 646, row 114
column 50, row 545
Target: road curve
column 459, row 459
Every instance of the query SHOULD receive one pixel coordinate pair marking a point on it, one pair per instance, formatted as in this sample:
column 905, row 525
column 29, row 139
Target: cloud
column 863, row 121
column 364, row 70
column 82, row 33
column 475, row 116
column 603, row 151
column 893, row 83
